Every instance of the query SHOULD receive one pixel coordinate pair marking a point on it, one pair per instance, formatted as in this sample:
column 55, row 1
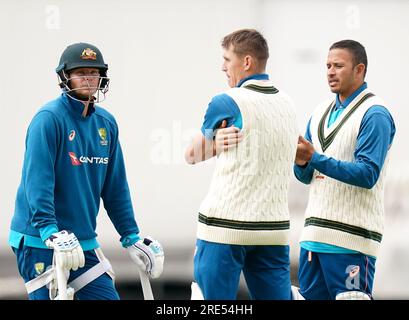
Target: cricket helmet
column 82, row 55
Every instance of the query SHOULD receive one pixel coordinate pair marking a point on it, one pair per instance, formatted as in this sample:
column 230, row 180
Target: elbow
column 369, row 182
column 370, row 178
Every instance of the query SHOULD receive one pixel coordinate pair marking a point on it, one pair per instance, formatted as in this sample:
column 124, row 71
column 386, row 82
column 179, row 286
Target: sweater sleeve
column 38, row 173
column 115, row 193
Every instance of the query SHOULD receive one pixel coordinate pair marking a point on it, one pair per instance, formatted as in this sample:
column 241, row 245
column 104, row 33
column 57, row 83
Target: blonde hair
column 248, row 41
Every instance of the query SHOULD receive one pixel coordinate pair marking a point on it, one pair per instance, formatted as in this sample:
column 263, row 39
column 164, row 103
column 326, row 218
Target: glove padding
column 148, row 255
column 67, row 250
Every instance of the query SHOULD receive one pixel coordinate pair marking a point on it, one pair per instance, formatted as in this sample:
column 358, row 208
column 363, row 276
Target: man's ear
column 360, row 68
column 247, row 62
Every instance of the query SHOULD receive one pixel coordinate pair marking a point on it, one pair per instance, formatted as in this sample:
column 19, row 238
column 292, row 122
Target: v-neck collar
column 326, row 135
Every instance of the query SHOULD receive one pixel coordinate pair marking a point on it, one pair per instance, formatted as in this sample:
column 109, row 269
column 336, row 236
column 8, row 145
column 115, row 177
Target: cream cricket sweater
column 247, row 200
column 338, row 213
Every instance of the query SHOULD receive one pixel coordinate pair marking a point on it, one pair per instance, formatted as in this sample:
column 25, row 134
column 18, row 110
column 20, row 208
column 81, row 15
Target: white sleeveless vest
column 338, row 213
column 247, row 202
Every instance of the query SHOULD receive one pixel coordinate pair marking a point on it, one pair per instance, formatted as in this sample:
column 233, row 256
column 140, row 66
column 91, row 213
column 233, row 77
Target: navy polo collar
column 257, row 76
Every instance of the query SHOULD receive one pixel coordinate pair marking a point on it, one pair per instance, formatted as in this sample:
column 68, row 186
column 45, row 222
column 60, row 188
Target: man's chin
column 83, row 96
column 334, row 90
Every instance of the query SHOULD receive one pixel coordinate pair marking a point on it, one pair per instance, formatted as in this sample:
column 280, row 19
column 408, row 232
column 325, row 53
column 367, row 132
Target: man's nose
column 331, row 71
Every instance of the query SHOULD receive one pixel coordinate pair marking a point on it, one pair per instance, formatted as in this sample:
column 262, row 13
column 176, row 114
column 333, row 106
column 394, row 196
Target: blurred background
column 164, row 62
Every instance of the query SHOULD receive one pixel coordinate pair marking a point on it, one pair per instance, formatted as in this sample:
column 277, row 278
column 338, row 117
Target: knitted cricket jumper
column 247, row 203
column 338, row 213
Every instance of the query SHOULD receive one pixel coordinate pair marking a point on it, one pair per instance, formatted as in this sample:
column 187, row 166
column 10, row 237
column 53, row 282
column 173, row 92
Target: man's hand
column 304, row 153
column 67, row 249
column 148, row 255
column 227, row 138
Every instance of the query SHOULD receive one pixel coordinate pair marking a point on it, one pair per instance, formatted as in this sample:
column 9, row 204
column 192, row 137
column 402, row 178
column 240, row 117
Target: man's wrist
column 47, row 231
column 130, row 239
column 303, row 166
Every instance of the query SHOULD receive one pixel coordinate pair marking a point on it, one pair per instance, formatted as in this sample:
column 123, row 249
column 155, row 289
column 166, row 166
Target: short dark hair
column 356, row 49
column 248, row 41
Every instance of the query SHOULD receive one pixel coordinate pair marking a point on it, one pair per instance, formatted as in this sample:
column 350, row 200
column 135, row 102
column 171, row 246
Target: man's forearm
column 357, row 173
column 201, row 149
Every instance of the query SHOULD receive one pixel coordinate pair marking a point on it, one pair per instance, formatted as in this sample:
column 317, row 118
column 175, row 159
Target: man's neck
column 343, row 96
column 86, row 107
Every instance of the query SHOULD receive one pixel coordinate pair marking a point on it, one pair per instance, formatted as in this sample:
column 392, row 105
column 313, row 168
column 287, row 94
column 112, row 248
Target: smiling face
column 343, row 76
column 235, row 67
column 84, row 82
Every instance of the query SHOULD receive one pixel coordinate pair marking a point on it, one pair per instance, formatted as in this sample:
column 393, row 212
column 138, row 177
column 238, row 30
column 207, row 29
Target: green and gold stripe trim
column 358, row 231
column 261, row 89
column 244, row 225
column 326, row 141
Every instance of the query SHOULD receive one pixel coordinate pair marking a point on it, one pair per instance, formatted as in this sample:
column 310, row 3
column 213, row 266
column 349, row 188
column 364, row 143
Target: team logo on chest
column 103, row 135
column 71, row 136
column 77, row 161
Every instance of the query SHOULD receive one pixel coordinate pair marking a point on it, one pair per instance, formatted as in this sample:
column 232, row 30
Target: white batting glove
column 67, row 249
column 148, row 255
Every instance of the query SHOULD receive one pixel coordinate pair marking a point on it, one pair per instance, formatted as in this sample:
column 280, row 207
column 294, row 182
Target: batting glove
column 148, row 255
column 67, row 249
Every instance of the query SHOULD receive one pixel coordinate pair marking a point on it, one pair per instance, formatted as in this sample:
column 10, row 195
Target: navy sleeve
column 222, row 107
column 115, row 192
column 38, row 174
column 304, row 174
column 375, row 136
